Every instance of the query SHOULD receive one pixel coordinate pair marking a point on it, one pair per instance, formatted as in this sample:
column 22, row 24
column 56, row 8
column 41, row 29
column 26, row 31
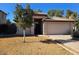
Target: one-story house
column 42, row 25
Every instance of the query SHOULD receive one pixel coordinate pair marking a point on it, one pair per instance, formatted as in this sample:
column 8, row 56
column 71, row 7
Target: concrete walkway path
column 60, row 37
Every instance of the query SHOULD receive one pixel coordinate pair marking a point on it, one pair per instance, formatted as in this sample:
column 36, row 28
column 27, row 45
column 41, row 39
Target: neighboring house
column 2, row 17
column 42, row 25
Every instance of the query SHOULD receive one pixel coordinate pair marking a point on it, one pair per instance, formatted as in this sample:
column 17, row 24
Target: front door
column 38, row 27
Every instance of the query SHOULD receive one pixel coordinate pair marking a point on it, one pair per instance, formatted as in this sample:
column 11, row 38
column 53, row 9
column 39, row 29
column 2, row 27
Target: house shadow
column 13, row 35
column 61, row 41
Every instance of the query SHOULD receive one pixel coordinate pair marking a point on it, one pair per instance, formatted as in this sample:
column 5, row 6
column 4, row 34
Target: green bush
column 8, row 29
column 76, row 34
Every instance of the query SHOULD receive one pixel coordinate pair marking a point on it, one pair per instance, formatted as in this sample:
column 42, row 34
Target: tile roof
column 58, row 19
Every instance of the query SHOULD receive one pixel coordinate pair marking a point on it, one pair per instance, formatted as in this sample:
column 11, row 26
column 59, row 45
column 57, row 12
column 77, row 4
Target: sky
column 9, row 8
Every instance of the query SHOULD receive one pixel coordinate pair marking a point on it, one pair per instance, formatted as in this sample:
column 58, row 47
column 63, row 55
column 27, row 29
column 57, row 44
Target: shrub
column 76, row 34
column 8, row 28
column 12, row 29
column 3, row 28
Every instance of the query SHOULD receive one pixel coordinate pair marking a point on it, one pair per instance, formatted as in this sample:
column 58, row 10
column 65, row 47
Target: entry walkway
column 60, row 37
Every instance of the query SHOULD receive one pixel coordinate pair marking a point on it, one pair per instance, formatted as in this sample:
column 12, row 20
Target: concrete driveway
column 67, row 41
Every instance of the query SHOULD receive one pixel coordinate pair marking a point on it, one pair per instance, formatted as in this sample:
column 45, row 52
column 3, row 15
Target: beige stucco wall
column 57, row 27
column 29, row 31
column 2, row 18
column 49, row 28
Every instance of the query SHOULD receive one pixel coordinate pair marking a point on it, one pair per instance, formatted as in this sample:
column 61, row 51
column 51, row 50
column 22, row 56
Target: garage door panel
column 57, row 27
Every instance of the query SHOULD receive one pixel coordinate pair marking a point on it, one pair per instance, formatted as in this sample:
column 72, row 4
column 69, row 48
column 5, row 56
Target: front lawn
column 33, row 46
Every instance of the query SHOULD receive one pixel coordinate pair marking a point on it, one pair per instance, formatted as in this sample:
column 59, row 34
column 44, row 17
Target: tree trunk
column 24, row 36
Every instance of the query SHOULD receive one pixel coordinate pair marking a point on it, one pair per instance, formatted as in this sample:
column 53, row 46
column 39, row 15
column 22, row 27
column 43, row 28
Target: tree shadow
column 48, row 41
column 31, row 41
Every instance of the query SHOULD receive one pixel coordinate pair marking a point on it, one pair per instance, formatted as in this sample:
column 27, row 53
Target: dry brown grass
column 33, row 46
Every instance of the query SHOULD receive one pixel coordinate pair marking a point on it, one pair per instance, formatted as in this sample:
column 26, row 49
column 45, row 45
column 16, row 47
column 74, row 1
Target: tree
column 74, row 15
column 23, row 17
column 71, row 14
column 51, row 13
column 58, row 13
column 68, row 13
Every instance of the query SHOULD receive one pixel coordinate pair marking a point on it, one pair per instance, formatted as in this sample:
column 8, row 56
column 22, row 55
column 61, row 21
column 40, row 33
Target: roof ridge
column 3, row 12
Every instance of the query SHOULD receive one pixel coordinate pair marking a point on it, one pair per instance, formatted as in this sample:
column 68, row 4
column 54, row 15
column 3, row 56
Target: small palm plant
column 76, row 28
column 77, row 24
